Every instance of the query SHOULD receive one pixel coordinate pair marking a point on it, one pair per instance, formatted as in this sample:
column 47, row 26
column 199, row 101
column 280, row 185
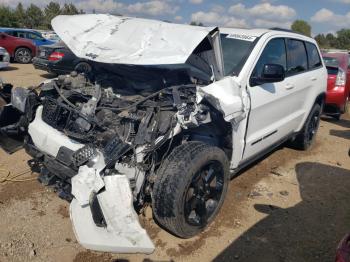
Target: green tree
column 322, row 41
column 69, row 9
column 20, row 14
column 302, row 27
column 331, row 40
column 343, row 39
column 52, row 10
column 7, row 17
column 196, row 23
column 34, row 17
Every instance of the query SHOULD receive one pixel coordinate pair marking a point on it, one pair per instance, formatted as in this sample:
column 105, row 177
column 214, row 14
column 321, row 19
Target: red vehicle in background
column 338, row 88
column 21, row 50
column 343, row 250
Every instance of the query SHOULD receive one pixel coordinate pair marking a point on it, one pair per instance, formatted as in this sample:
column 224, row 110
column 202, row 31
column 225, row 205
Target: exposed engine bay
column 132, row 131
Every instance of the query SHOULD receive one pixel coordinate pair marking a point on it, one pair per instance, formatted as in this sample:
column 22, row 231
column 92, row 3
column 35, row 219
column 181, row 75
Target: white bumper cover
column 123, row 233
column 47, row 139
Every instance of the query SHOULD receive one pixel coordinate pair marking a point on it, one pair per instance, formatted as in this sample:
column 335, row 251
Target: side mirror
column 272, row 73
column 2, row 36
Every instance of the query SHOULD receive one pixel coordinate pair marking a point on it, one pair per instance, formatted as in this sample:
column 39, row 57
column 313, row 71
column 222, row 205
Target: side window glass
column 12, row 33
column 349, row 62
column 34, row 36
column 297, row 58
column 313, row 55
column 21, row 34
column 30, row 36
column 274, row 53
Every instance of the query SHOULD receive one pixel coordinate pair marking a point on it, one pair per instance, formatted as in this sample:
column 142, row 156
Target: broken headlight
column 19, row 98
column 83, row 155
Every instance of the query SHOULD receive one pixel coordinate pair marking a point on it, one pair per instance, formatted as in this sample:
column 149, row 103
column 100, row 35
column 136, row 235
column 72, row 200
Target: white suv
column 172, row 112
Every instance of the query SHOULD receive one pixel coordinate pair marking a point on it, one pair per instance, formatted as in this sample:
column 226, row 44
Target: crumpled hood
column 125, row 40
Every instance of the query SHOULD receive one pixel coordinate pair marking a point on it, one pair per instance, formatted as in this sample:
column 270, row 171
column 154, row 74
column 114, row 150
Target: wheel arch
column 320, row 99
column 213, row 133
column 79, row 61
column 22, row 46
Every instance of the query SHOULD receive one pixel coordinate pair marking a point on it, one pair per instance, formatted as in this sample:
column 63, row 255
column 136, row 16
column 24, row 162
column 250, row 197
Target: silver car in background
column 4, row 58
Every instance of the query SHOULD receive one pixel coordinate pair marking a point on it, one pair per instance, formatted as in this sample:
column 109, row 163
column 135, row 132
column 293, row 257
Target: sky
column 325, row 16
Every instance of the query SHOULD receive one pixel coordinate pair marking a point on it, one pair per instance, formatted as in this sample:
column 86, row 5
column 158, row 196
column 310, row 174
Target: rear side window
column 297, row 57
column 313, row 55
column 274, row 53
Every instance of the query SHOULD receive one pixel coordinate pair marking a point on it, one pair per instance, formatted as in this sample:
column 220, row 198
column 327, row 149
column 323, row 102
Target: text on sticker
column 242, row 37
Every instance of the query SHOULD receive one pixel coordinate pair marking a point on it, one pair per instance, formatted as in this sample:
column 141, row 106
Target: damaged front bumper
column 120, row 232
column 112, row 209
column 102, row 211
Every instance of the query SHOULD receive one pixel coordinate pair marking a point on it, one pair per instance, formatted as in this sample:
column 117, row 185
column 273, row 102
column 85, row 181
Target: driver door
column 268, row 120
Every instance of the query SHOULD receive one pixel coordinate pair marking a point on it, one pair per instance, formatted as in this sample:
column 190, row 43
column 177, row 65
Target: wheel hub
column 204, row 193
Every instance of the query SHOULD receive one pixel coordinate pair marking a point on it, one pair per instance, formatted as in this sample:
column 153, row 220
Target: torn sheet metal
column 226, row 96
column 233, row 102
column 125, row 40
column 123, row 233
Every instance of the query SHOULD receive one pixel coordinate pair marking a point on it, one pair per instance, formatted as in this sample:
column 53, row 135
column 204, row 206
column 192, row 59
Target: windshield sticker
column 242, row 37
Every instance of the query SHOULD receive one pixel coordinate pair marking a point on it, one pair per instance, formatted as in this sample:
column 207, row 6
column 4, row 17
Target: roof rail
column 285, row 30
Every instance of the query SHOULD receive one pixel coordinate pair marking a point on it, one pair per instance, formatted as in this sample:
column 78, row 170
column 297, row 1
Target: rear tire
column 190, row 188
column 83, row 67
column 345, row 110
column 307, row 135
column 23, row 55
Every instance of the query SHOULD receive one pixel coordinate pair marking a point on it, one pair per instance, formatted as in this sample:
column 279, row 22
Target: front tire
column 23, row 55
column 190, row 188
column 307, row 135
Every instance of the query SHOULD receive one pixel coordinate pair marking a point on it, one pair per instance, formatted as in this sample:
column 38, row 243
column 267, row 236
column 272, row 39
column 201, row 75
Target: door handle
column 313, row 78
column 289, row 86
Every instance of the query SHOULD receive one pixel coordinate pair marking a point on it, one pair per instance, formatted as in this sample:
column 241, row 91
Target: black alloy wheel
column 204, row 193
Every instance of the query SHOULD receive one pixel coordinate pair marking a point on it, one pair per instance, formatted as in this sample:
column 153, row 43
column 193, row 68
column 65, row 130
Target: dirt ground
column 290, row 206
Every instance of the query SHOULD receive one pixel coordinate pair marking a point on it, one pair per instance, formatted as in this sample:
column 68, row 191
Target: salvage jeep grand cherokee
column 170, row 113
